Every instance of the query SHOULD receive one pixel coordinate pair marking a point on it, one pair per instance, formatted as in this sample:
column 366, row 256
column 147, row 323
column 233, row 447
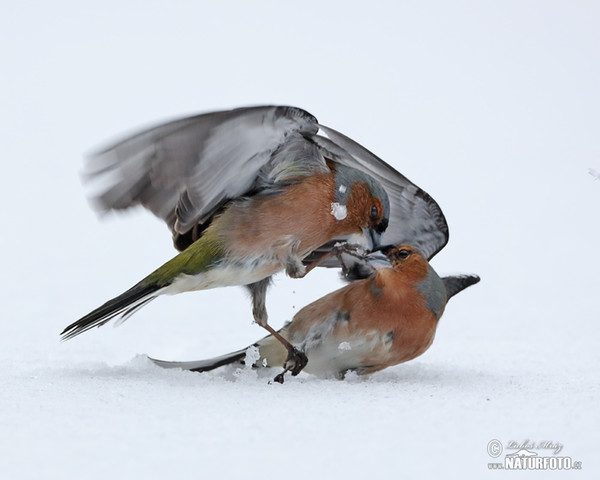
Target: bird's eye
column 374, row 212
column 402, row 254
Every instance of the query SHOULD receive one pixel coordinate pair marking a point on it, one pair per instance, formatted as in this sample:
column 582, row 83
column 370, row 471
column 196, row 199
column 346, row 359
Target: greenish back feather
column 197, row 258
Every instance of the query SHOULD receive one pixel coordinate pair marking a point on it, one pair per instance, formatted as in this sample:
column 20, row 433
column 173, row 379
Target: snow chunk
column 344, row 346
column 338, row 211
column 342, row 188
column 594, row 173
column 247, row 373
column 252, row 356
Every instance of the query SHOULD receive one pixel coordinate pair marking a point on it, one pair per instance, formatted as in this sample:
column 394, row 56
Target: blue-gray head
column 359, row 194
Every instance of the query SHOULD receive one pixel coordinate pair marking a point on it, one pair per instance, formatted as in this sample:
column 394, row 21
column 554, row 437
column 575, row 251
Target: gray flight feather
column 186, row 170
column 415, row 218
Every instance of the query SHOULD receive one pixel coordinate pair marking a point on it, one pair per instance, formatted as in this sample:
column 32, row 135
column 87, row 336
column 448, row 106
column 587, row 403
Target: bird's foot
column 294, row 363
column 354, row 250
column 294, row 267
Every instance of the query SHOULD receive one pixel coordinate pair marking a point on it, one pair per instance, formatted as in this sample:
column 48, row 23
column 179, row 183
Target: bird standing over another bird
column 373, row 323
column 250, row 192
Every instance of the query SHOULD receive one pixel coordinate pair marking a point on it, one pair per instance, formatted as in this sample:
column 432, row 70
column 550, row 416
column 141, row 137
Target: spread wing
column 415, row 218
column 186, row 170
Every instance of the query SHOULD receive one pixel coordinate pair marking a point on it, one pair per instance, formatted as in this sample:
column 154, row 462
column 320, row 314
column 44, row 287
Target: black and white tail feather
column 204, row 365
column 124, row 306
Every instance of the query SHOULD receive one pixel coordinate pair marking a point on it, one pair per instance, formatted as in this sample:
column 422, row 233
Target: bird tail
column 125, row 305
column 457, row 283
column 204, row 365
column 271, row 353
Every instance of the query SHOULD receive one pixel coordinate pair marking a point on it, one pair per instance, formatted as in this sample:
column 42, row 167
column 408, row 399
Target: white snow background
column 492, row 107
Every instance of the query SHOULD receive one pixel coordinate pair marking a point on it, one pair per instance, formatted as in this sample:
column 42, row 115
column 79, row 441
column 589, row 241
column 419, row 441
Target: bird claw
column 294, row 363
column 295, row 268
column 354, row 250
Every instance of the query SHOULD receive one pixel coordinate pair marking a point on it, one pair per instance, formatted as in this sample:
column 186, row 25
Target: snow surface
column 492, row 107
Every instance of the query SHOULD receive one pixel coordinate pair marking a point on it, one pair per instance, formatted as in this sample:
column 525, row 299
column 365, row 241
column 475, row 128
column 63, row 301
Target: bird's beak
column 373, row 238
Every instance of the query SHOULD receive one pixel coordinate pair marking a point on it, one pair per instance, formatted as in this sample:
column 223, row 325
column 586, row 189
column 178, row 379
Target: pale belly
column 225, row 275
column 332, row 357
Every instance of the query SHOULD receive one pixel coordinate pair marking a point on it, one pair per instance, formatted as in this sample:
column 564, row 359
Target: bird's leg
column 296, row 360
column 354, row 250
column 337, row 250
column 315, row 263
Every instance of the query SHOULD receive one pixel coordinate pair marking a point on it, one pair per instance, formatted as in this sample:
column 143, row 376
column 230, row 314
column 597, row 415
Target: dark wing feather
column 457, row 283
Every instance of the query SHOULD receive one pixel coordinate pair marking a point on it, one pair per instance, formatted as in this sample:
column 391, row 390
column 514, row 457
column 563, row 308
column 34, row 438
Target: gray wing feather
column 415, row 218
column 183, row 170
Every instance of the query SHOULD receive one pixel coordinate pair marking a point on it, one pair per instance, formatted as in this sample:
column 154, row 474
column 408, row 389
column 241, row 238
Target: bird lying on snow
column 388, row 318
column 250, row 192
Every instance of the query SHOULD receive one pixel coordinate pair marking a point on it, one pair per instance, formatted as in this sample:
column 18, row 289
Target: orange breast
column 300, row 214
column 390, row 305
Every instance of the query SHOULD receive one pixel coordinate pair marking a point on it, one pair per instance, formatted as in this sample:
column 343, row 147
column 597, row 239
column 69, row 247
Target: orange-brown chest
column 300, row 214
column 391, row 305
